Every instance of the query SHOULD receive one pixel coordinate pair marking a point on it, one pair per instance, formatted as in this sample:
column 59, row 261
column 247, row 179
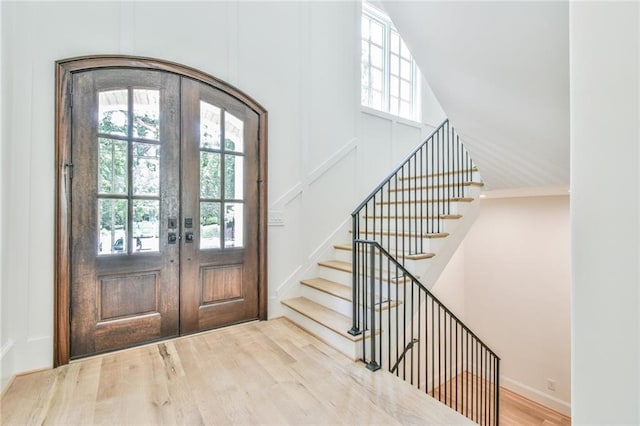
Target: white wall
column 299, row 60
column 605, row 212
column 4, row 342
column 510, row 280
column 450, row 286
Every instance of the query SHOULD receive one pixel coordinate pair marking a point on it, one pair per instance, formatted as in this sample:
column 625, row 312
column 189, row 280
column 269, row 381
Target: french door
column 165, row 208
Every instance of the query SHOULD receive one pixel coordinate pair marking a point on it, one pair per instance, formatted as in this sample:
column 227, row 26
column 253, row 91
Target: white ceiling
column 500, row 70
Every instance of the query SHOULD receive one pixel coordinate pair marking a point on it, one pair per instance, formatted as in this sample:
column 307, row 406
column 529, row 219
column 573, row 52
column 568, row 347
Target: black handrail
column 393, row 173
column 401, row 215
column 421, row 286
column 473, row 391
column 440, row 155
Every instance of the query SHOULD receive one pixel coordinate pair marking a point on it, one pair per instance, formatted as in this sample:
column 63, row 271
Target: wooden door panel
column 127, row 332
column 122, row 294
column 221, row 283
column 219, row 272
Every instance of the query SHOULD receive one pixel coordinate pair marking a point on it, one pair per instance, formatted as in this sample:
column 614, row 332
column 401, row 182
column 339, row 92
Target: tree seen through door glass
column 146, row 169
column 112, row 165
column 146, row 114
column 233, row 174
column 146, row 225
column 210, row 174
column 209, row 125
column 112, row 220
column 112, row 112
column 209, row 225
column 234, row 225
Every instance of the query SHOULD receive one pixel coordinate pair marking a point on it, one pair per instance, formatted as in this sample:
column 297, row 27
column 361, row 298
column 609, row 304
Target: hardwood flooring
column 269, row 372
column 515, row 410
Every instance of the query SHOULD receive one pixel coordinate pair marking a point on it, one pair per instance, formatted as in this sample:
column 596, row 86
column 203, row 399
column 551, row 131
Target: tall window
column 390, row 78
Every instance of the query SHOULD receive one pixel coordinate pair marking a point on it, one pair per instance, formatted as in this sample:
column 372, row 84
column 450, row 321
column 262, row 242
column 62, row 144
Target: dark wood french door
column 165, row 208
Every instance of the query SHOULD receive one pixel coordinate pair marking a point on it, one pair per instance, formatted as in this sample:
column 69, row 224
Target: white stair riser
column 345, row 255
column 416, row 194
column 387, row 292
column 408, row 244
column 353, row 350
column 330, row 301
column 345, row 278
column 396, row 209
column 438, row 180
column 406, row 225
column 335, row 275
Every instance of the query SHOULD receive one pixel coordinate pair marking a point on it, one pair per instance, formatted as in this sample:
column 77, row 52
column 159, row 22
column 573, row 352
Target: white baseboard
column 542, row 398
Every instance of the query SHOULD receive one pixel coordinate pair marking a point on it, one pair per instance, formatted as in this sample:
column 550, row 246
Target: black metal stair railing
column 420, row 339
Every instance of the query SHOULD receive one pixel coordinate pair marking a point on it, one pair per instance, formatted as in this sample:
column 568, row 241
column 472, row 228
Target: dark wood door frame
column 62, row 259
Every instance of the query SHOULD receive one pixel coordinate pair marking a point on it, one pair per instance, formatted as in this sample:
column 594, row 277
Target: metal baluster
column 380, row 298
column 456, row 372
column 373, row 364
column 439, row 353
column 497, row 391
column 449, row 157
column 420, row 338
column 466, row 376
column 433, row 346
column 354, row 276
column 422, row 196
column 446, row 375
column 450, row 357
column 431, row 205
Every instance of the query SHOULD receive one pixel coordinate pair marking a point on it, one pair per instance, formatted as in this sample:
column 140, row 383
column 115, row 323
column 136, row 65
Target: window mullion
column 387, row 71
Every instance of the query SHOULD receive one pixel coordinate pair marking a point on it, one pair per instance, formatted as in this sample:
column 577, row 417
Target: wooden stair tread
column 442, row 185
column 343, row 291
column 410, row 256
column 453, row 172
column 408, row 234
column 330, row 287
column 329, row 318
column 453, row 200
column 418, row 217
column 341, row 265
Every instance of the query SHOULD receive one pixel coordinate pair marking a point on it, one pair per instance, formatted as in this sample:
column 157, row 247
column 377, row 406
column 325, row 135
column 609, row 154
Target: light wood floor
column 268, row 372
column 515, row 410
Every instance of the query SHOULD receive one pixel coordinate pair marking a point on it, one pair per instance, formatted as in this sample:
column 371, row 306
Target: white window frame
column 385, row 100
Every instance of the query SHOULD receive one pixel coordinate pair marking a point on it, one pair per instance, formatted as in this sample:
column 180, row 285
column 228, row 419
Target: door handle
column 188, row 237
column 172, row 237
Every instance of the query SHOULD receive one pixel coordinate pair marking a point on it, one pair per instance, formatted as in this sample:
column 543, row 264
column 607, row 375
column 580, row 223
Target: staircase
column 370, row 302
